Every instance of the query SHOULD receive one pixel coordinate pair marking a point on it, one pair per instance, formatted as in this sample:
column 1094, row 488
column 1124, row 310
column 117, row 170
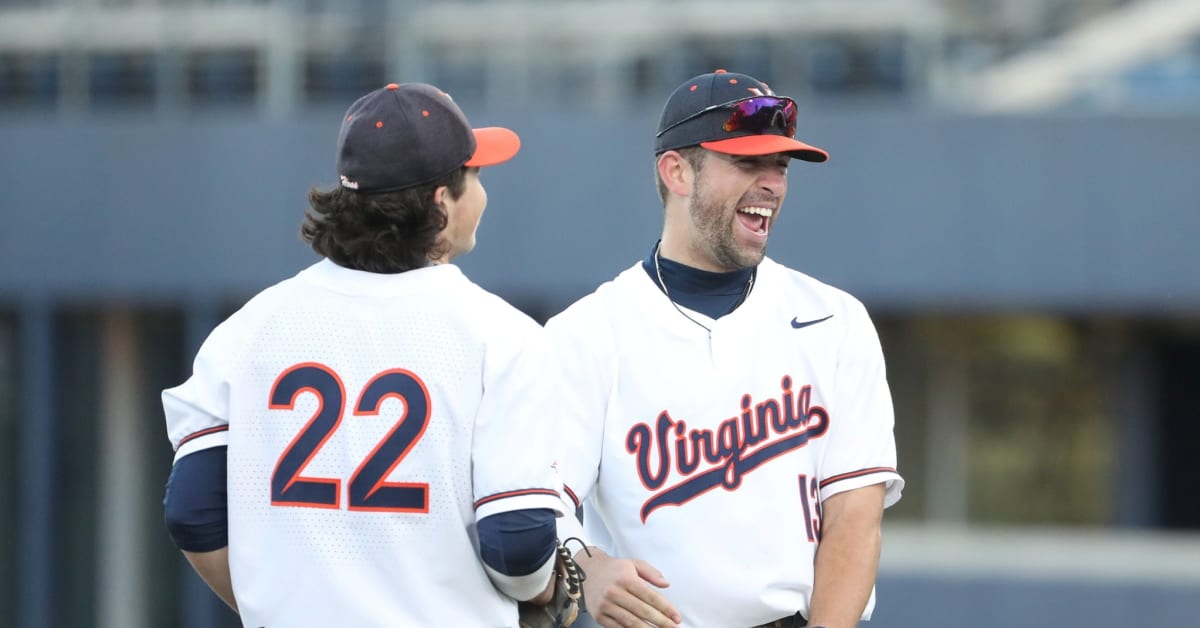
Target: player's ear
column 440, row 195
column 676, row 173
column 444, row 199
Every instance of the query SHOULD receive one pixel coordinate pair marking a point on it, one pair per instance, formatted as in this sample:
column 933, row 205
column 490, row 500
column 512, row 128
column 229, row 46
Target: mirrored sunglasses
column 756, row 114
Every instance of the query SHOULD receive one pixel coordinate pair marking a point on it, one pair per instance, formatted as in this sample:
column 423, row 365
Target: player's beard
column 717, row 224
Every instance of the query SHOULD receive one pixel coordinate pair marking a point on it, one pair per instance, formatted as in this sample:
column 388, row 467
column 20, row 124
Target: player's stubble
column 717, row 224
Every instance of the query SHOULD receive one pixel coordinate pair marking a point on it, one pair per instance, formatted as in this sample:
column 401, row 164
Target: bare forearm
column 213, row 568
column 847, row 558
column 624, row 592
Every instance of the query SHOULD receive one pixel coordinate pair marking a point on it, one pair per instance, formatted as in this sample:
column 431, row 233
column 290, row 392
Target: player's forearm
column 847, row 558
column 213, row 568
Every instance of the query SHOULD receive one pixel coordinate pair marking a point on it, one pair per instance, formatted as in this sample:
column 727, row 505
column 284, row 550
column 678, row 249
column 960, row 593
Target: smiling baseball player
column 727, row 419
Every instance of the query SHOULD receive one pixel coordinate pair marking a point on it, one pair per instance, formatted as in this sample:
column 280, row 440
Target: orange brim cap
column 766, row 145
column 493, row 145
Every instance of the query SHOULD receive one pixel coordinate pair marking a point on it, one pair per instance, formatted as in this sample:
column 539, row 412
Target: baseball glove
column 563, row 607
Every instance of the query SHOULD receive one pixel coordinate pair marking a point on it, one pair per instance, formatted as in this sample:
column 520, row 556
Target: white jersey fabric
column 708, row 454
column 370, row 420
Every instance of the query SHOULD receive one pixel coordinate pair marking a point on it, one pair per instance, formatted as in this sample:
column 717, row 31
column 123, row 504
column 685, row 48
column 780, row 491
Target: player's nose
column 773, row 180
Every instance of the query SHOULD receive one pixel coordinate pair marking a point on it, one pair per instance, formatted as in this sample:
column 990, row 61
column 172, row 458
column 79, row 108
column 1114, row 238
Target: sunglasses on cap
column 756, row 114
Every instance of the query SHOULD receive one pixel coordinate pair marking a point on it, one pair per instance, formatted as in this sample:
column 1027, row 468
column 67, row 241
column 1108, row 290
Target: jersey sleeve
column 584, row 375
column 515, row 429
column 197, row 411
column 862, row 448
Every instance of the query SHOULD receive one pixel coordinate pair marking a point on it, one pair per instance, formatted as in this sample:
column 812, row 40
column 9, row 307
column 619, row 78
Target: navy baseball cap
column 734, row 114
column 409, row 134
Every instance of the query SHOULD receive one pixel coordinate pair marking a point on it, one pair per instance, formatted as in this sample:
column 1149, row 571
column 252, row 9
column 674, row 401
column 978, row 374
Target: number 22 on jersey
column 366, row 489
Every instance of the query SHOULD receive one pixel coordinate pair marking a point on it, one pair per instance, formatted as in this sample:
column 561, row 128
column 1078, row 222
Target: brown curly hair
column 388, row 232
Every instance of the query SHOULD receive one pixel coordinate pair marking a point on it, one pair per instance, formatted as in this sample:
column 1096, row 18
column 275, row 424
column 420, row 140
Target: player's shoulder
column 233, row 336
column 804, row 290
column 487, row 309
column 265, row 303
column 595, row 307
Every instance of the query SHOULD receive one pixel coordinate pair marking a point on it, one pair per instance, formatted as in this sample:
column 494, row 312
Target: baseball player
column 727, row 419
column 342, row 446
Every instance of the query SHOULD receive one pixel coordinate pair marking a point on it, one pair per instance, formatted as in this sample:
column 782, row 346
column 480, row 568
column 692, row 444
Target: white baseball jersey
column 370, row 420
column 709, row 454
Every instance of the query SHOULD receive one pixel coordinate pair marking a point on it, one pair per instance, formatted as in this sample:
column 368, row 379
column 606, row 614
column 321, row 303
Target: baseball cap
column 734, row 114
column 408, row 134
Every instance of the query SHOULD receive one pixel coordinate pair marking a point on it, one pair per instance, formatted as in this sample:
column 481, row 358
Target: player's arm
column 517, row 498
column 196, row 514
column 847, row 557
column 213, row 568
column 858, row 478
column 517, row 549
column 617, row 591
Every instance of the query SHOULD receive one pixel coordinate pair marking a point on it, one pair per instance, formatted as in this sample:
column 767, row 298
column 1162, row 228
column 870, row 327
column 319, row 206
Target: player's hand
column 618, row 593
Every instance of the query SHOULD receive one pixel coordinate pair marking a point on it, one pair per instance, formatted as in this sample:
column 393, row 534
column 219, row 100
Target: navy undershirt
column 194, row 506
column 196, row 511
column 711, row 294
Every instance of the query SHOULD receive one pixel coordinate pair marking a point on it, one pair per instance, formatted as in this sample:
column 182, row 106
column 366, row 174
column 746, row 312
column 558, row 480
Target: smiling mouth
column 755, row 218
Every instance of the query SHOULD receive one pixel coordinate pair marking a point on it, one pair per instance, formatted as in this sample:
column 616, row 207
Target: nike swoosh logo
column 797, row 324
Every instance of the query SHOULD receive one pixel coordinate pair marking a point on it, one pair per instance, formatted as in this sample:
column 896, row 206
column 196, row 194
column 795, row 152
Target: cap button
column 391, row 86
column 719, row 71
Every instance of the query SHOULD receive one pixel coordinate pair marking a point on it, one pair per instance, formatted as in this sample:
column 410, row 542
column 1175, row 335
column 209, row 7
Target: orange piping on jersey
column 855, row 474
column 719, row 477
column 640, row 438
column 374, row 411
column 203, row 432
column 684, row 466
column 737, row 446
column 337, row 485
column 507, row 494
column 732, row 438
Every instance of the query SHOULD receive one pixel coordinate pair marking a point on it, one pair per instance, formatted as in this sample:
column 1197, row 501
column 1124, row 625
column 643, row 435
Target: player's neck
column 713, row 294
column 692, row 257
column 668, row 249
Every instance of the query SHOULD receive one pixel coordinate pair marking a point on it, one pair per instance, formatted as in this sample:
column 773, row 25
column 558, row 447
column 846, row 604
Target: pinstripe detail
column 856, row 474
column 506, row 495
column 204, row 432
column 571, row 494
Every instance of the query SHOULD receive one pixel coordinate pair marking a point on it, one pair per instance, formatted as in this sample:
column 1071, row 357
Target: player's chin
column 749, row 257
column 752, row 248
column 465, row 246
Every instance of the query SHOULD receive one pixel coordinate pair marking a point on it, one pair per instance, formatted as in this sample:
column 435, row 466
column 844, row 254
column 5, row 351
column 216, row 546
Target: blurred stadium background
column 1014, row 193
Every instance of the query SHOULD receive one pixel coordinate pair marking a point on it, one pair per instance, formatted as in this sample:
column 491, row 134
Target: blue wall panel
column 913, row 211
